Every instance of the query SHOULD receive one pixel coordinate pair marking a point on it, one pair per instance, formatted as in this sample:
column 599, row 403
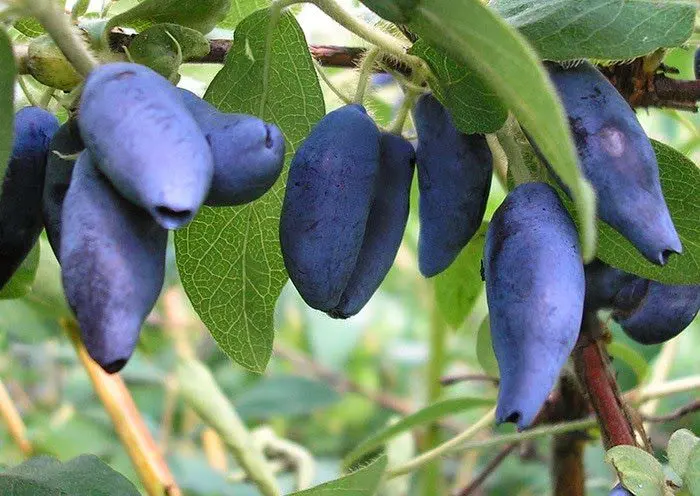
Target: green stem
column 432, row 472
column 447, row 447
column 324, row 77
column 64, row 34
column 516, row 163
column 27, row 92
column 203, row 395
column 46, row 98
column 500, row 160
column 404, row 111
column 366, row 69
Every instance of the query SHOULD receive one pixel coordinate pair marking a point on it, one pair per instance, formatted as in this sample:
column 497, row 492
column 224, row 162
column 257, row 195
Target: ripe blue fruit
column 619, row 490
column 385, row 225
column 697, row 63
column 113, row 264
column 648, row 311
column 142, row 137
column 535, row 289
column 248, row 153
column 59, row 170
column 330, row 190
column 617, row 158
column 20, row 201
column 454, row 178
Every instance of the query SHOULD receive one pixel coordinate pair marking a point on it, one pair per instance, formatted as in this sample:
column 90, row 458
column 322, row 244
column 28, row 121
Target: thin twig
column 14, row 422
column 456, row 379
column 674, row 415
column 128, row 422
column 477, row 481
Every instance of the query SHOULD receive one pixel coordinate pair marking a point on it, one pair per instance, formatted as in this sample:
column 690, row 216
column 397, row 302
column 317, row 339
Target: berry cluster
column 149, row 155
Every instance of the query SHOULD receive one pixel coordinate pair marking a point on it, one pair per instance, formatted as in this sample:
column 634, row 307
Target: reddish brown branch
column 595, row 375
column 674, row 415
column 639, row 86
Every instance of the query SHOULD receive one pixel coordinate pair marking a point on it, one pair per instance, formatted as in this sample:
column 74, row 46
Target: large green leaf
column 473, row 106
column 45, row 476
column 458, row 287
column 680, row 182
column 8, row 72
column 476, row 36
column 363, row 482
column 229, row 258
column 22, row 280
column 201, row 15
column 240, row 9
column 680, row 447
column 484, row 349
column 601, row 29
column 426, row 415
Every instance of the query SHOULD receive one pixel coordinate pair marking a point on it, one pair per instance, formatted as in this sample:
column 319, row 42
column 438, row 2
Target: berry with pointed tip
column 535, row 289
column 617, row 158
column 143, row 138
column 454, row 179
column 248, row 153
column 59, row 170
column 113, row 264
column 385, row 225
column 20, row 200
column 330, row 190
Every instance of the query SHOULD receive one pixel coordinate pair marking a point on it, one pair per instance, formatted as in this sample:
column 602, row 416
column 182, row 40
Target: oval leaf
column 201, row 15
column 638, row 470
column 599, row 29
column 484, row 349
column 8, row 71
column 363, row 482
column 229, row 258
column 680, row 446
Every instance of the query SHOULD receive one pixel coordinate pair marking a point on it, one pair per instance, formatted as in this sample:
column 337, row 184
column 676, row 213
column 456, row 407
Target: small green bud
column 49, row 66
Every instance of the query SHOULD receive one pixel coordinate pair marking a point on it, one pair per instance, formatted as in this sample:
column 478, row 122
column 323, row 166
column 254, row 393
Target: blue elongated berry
column 454, row 178
column 385, row 225
column 144, row 139
column 617, row 158
column 650, row 312
column 113, row 264
column 20, row 200
column 330, row 190
column 535, row 289
column 696, row 65
column 248, row 153
column 59, row 170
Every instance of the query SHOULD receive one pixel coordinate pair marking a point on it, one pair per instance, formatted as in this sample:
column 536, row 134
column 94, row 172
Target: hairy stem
column 366, row 70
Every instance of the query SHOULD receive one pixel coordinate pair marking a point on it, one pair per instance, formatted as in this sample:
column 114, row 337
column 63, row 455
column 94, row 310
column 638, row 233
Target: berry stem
column 366, row 70
column 409, row 101
column 64, row 33
column 324, row 77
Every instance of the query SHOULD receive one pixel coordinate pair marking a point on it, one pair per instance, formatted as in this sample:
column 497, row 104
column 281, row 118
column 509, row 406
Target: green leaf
column 21, row 282
column 472, row 104
column 45, row 476
column 474, row 35
column 484, row 349
column 29, row 27
column 680, row 182
column 157, row 47
column 8, row 72
column 637, row 469
column 692, row 471
column 284, row 396
column 426, row 415
column 600, row 29
column 229, row 258
column 363, row 482
column 680, row 446
column 631, row 357
column 240, row 9
column 201, row 15
column 458, row 287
